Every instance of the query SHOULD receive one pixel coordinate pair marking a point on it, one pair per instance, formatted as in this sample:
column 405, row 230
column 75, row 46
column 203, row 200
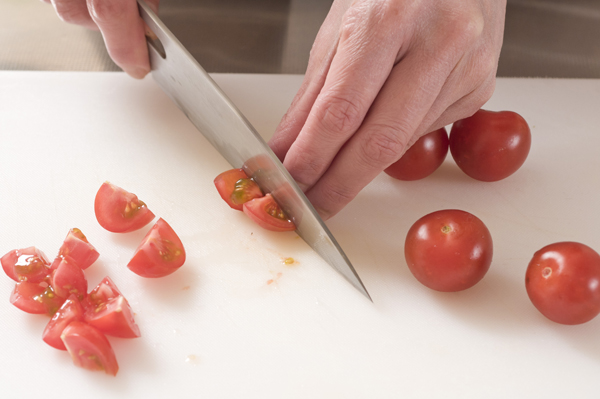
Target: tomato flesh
column 422, row 158
column 78, row 249
column 267, row 213
column 89, row 348
column 160, row 252
column 67, row 279
column 563, row 282
column 113, row 317
column 236, row 188
column 448, row 250
column 28, row 264
column 36, row 298
column 490, row 146
column 70, row 311
column 102, row 293
column 120, row 211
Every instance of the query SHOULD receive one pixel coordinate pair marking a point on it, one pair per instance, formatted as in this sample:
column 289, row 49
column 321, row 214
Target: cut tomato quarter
column 70, row 311
column 266, row 213
column 89, row 348
column 120, row 211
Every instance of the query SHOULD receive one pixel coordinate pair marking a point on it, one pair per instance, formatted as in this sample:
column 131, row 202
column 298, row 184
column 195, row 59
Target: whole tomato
column 490, row 146
column 563, row 282
column 422, row 158
column 448, row 250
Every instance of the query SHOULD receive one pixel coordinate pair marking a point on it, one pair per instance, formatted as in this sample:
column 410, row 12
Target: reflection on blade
column 207, row 107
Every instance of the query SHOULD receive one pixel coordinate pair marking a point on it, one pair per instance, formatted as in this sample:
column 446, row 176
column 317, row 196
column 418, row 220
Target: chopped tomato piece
column 267, row 214
column 70, row 311
column 236, row 188
column 89, row 348
column 67, row 279
column 102, row 293
column 120, row 211
column 113, row 317
column 28, row 264
column 37, row 298
column 160, row 253
column 78, row 249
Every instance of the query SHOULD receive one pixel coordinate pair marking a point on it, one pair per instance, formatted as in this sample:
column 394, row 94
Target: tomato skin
column 70, row 311
column 236, row 188
column 448, row 250
column 422, row 158
column 89, row 348
column 27, row 264
column 490, row 146
column 268, row 215
column 67, row 279
column 159, row 254
column 120, row 211
column 36, row 298
column 113, row 317
column 78, row 249
column 563, row 282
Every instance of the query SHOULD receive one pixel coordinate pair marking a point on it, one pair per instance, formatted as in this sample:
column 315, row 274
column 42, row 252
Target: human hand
column 381, row 74
column 121, row 25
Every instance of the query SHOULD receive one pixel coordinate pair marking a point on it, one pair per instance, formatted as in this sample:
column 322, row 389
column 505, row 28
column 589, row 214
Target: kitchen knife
column 224, row 126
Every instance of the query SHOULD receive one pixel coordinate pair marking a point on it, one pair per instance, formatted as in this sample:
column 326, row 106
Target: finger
column 366, row 53
column 123, row 32
column 74, row 12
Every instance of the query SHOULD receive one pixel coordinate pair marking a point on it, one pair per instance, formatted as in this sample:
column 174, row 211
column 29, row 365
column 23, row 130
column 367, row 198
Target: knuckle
column 70, row 14
column 107, row 11
column 306, row 168
column 337, row 195
column 384, row 144
column 341, row 114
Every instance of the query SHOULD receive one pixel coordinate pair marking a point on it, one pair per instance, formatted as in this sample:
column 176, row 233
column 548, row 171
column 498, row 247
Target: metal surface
column 218, row 119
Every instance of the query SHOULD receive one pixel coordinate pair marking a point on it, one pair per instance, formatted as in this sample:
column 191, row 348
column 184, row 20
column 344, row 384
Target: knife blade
column 225, row 127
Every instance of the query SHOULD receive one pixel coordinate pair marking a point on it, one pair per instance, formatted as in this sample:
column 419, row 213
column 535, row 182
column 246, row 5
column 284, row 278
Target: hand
column 381, row 74
column 121, row 26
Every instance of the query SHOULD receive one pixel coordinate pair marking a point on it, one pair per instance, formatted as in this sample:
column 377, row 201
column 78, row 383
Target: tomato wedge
column 67, row 279
column 236, row 188
column 113, row 317
column 102, row 293
column 70, row 311
column 267, row 214
column 36, row 298
column 28, row 264
column 120, row 211
column 89, row 348
column 160, row 252
column 77, row 248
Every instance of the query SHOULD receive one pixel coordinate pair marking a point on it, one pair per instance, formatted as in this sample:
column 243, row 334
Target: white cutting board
column 235, row 322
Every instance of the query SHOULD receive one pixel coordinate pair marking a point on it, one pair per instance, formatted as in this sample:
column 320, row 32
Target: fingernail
column 323, row 213
column 138, row 73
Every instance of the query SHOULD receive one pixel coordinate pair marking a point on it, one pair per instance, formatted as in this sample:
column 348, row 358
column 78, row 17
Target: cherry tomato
column 236, row 188
column 563, row 282
column 37, row 298
column 448, row 250
column 70, row 311
column 28, row 264
column 89, row 348
column 160, row 253
column 102, row 293
column 422, row 158
column 77, row 248
column 267, row 214
column 490, row 146
column 120, row 211
column 114, row 317
column 67, row 279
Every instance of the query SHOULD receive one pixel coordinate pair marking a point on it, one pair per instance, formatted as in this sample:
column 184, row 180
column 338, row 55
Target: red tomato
column 448, row 250
column 70, row 311
column 563, row 282
column 268, row 215
column 102, row 293
column 490, row 146
column 67, row 279
column 160, row 253
column 422, row 158
column 114, row 317
column 28, row 264
column 77, row 248
column 236, row 188
column 89, row 348
column 120, row 211
column 37, row 298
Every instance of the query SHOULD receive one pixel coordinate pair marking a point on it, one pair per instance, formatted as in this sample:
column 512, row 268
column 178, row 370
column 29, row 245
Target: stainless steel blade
column 219, row 120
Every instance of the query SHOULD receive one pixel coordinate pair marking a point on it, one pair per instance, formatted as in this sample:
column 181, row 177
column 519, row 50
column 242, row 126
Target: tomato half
column 89, row 348
column 448, row 250
column 563, row 282
column 67, row 279
column 37, row 298
column 236, row 188
column 70, row 311
column 114, row 317
column 28, row 264
column 422, row 158
column 120, row 211
column 160, row 252
column 490, row 146
column 77, row 248
column 267, row 214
